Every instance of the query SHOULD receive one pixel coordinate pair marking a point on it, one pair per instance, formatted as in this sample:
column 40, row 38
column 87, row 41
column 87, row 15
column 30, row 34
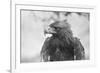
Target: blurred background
column 33, row 24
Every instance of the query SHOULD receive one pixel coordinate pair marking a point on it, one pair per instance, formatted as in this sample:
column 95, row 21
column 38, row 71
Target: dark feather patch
column 62, row 46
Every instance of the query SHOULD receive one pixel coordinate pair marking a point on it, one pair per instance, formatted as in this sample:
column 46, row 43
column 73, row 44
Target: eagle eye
column 57, row 28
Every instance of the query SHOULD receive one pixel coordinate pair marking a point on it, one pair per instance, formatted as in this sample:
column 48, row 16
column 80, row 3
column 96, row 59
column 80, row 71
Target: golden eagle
column 62, row 45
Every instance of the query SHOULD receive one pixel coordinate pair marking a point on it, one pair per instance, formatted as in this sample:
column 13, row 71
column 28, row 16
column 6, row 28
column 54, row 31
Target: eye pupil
column 57, row 28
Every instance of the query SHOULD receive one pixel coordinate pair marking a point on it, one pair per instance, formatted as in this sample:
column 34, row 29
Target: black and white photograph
column 54, row 36
column 51, row 37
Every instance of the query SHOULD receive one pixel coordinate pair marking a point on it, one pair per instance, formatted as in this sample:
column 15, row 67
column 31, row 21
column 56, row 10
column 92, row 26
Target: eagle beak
column 50, row 31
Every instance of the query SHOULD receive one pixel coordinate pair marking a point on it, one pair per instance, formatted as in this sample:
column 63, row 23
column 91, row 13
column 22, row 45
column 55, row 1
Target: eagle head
column 59, row 27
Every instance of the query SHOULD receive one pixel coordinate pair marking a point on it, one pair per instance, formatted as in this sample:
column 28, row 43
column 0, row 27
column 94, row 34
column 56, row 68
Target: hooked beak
column 50, row 31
